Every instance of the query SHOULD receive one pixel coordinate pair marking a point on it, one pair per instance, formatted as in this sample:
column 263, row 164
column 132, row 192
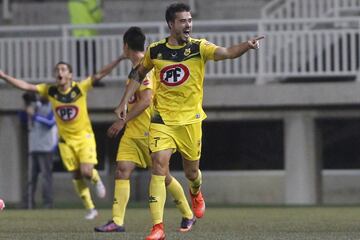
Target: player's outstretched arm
column 236, row 51
column 107, row 69
column 18, row 83
column 136, row 77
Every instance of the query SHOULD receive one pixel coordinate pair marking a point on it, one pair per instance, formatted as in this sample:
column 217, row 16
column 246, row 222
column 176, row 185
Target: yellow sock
column 95, row 177
column 84, row 193
column 196, row 184
column 157, row 198
column 180, row 200
column 121, row 198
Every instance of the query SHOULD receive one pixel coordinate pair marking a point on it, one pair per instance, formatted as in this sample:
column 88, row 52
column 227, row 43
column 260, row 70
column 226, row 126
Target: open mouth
column 187, row 32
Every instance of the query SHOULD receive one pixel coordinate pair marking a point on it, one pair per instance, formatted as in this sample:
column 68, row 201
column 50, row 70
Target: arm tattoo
column 134, row 75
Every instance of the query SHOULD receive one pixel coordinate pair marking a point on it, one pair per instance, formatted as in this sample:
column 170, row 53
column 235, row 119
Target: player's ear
column 125, row 48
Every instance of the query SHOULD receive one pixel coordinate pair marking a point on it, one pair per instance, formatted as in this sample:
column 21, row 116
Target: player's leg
column 89, row 172
column 83, row 191
column 189, row 142
column 88, row 159
column 123, row 172
column 162, row 146
column 157, row 191
column 71, row 163
column 131, row 153
column 193, row 174
column 177, row 192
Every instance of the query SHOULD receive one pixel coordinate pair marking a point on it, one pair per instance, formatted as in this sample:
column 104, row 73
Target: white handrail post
column 336, row 8
column 6, row 10
column 65, row 44
column 260, row 79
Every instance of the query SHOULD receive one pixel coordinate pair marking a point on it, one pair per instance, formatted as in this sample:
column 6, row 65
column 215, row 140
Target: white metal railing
column 320, row 52
column 32, row 57
column 308, row 8
column 289, row 49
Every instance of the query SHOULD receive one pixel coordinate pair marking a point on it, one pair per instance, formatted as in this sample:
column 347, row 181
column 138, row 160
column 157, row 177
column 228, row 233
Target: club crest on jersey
column 174, row 75
column 67, row 113
column 73, row 94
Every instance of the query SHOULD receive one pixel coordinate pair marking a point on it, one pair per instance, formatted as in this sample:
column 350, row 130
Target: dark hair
column 174, row 8
column 29, row 97
column 134, row 38
column 65, row 63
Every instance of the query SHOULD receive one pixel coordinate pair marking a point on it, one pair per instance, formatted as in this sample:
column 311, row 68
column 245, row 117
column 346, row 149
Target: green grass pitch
column 288, row 223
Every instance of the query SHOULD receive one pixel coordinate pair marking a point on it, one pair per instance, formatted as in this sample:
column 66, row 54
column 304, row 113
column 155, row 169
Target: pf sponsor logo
column 174, row 75
column 67, row 113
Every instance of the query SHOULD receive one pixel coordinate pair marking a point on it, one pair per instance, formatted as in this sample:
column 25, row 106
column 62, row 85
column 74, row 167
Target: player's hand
column 255, row 43
column 115, row 128
column 120, row 111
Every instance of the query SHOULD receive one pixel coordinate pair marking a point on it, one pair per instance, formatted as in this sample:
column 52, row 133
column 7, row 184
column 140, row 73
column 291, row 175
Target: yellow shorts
column 80, row 151
column 185, row 138
column 134, row 150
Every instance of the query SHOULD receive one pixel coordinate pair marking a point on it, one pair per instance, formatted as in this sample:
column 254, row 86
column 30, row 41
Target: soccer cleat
column 198, row 204
column 100, row 189
column 110, row 226
column 186, row 224
column 92, row 214
column 157, row 232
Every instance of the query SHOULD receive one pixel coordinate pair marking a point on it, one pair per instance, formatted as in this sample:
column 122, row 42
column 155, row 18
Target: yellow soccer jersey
column 179, row 75
column 139, row 126
column 70, row 108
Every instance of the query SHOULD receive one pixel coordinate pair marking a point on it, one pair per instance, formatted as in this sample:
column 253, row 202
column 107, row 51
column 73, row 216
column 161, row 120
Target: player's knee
column 168, row 179
column 191, row 174
column 86, row 173
column 122, row 173
column 160, row 168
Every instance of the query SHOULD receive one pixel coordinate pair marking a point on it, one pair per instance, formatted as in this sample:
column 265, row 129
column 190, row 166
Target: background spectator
column 85, row 12
column 42, row 143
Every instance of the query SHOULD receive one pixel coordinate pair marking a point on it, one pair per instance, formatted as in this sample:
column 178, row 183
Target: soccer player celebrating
column 76, row 138
column 134, row 149
column 179, row 63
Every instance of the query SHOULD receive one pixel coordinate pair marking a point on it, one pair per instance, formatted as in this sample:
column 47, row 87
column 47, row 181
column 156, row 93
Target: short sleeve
column 86, row 84
column 42, row 89
column 146, row 61
column 148, row 81
column 207, row 49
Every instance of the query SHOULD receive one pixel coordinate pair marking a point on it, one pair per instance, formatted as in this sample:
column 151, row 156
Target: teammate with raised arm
column 133, row 149
column 179, row 65
column 76, row 138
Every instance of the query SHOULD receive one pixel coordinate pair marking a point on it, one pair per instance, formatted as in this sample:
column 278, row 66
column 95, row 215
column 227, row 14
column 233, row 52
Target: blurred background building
column 283, row 122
